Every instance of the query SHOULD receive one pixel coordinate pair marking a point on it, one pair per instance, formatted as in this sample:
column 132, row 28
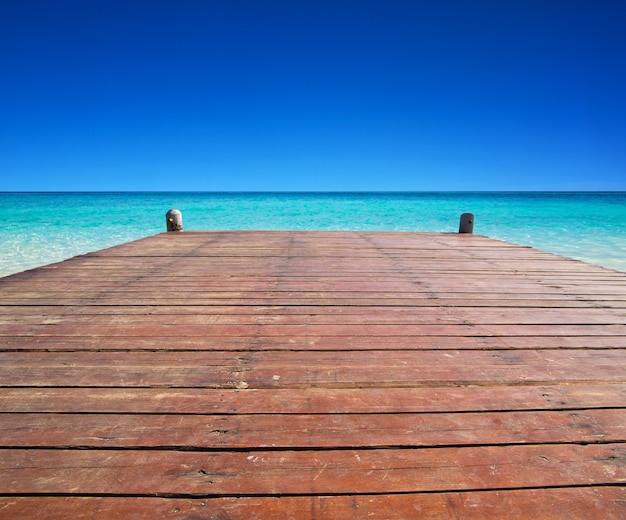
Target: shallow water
column 41, row 228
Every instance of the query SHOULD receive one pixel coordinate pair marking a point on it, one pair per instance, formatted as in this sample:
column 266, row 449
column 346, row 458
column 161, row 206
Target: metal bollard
column 467, row 223
column 174, row 220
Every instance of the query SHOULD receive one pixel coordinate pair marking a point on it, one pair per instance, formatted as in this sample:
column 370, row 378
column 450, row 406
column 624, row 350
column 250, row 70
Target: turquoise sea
column 41, row 228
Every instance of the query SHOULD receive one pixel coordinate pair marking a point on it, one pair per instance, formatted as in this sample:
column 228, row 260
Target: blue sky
column 288, row 95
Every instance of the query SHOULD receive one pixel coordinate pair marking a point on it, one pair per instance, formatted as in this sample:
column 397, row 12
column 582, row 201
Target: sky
column 323, row 95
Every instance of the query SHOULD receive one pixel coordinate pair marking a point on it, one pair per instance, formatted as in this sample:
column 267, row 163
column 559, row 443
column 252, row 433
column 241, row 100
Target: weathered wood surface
column 242, row 375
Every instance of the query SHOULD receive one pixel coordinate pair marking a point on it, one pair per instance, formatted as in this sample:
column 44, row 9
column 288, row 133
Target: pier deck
column 243, row 375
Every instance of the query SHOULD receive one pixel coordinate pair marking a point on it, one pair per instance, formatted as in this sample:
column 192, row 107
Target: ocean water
column 42, row 228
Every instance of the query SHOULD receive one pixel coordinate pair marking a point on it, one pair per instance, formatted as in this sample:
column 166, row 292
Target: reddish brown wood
column 345, row 369
column 311, row 430
column 606, row 503
column 313, row 315
column 332, row 343
column 455, row 398
column 183, row 473
column 313, row 375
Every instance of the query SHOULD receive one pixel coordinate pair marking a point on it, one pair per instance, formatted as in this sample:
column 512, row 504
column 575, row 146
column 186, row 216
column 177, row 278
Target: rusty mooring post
column 467, row 223
column 174, row 220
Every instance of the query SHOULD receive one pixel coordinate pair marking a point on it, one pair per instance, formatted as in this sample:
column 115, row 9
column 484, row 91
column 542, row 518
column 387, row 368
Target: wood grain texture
column 581, row 503
column 223, row 432
column 308, row 374
column 309, row 472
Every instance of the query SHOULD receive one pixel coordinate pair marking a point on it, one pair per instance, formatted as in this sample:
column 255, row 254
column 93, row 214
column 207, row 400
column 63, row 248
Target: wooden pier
column 328, row 375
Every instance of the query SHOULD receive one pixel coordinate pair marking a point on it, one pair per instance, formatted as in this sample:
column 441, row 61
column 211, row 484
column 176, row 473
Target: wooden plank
column 445, row 300
column 290, row 299
column 338, row 316
column 319, row 369
column 198, row 432
column 101, row 276
column 270, row 329
column 232, row 273
column 607, row 503
column 330, row 343
column 314, row 360
column 455, row 398
column 275, row 473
